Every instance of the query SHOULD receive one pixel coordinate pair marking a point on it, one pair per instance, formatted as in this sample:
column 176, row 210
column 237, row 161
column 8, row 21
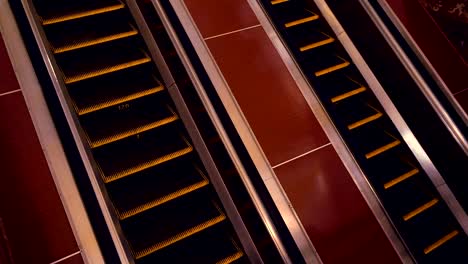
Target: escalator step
column 89, row 32
column 100, row 60
column 113, row 89
column 339, row 87
column 194, row 249
column 60, row 11
column 356, row 113
column 126, row 120
column 149, row 232
column 307, row 37
column 138, row 153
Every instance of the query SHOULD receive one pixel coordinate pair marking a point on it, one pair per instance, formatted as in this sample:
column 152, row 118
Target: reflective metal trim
column 48, row 138
column 401, row 125
column 122, row 248
column 394, row 115
column 247, row 136
column 419, row 80
column 329, row 128
column 418, row 51
column 200, row 146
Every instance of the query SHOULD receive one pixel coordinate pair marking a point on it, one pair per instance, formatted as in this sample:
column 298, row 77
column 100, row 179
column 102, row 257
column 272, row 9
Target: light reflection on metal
column 48, row 137
column 344, row 153
column 246, row 134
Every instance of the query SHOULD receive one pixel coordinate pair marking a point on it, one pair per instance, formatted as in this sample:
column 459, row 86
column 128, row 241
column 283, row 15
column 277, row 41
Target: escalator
column 425, row 223
column 156, row 180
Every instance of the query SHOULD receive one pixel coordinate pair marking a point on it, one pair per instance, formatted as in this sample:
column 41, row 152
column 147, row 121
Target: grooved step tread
column 133, row 131
column 348, row 94
column 420, row 209
column 231, row 258
column 113, row 101
column 275, row 2
column 164, row 199
column 440, row 242
column 382, row 149
column 365, row 121
column 317, row 44
column 81, row 13
column 78, row 44
column 147, row 164
column 300, row 21
column 333, row 68
column 189, row 232
column 87, row 75
column 401, row 178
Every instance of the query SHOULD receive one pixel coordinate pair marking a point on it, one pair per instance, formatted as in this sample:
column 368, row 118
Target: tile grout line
column 459, row 92
column 232, row 32
column 10, row 92
column 302, row 155
column 66, row 257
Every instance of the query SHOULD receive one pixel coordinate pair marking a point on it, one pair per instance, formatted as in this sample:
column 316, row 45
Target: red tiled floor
column 77, row 259
column 332, row 210
column 462, row 99
column 215, row 17
column 34, row 218
column 267, row 94
column 7, row 76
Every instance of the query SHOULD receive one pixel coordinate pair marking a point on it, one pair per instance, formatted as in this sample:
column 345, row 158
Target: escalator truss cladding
column 423, row 220
column 167, row 208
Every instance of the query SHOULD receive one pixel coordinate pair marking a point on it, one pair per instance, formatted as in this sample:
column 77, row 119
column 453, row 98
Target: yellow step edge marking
column 148, row 164
column 117, row 101
column 317, row 44
column 163, row 199
column 401, row 178
column 383, row 149
column 275, row 2
column 420, row 209
column 333, row 68
column 364, row 121
column 348, row 94
column 64, row 18
column 131, row 132
column 185, row 234
column 440, row 242
column 231, row 258
column 106, row 70
column 83, row 44
column 301, row 21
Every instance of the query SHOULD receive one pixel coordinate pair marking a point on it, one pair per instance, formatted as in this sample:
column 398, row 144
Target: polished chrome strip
column 248, row 138
column 199, row 144
column 412, row 43
column 395, row 116
column 403, row 128
column 423, row 86
column 48, row 137
column 329, row 128
column 122, row 248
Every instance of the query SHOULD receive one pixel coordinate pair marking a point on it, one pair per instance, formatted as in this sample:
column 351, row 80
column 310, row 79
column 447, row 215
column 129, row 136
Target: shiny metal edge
column 414, row 73
column 91, row 167
column 403, row 128
column 48, row 138
column 329, row 128
column 248, row 138
column 189, row 123
column 426, row 62
column 393, row 113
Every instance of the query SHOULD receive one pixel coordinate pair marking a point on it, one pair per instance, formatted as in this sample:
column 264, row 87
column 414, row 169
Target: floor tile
column 30, row 207
column 268, row 96
column 76, row 259
column 214, row 17
column 332, row 210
